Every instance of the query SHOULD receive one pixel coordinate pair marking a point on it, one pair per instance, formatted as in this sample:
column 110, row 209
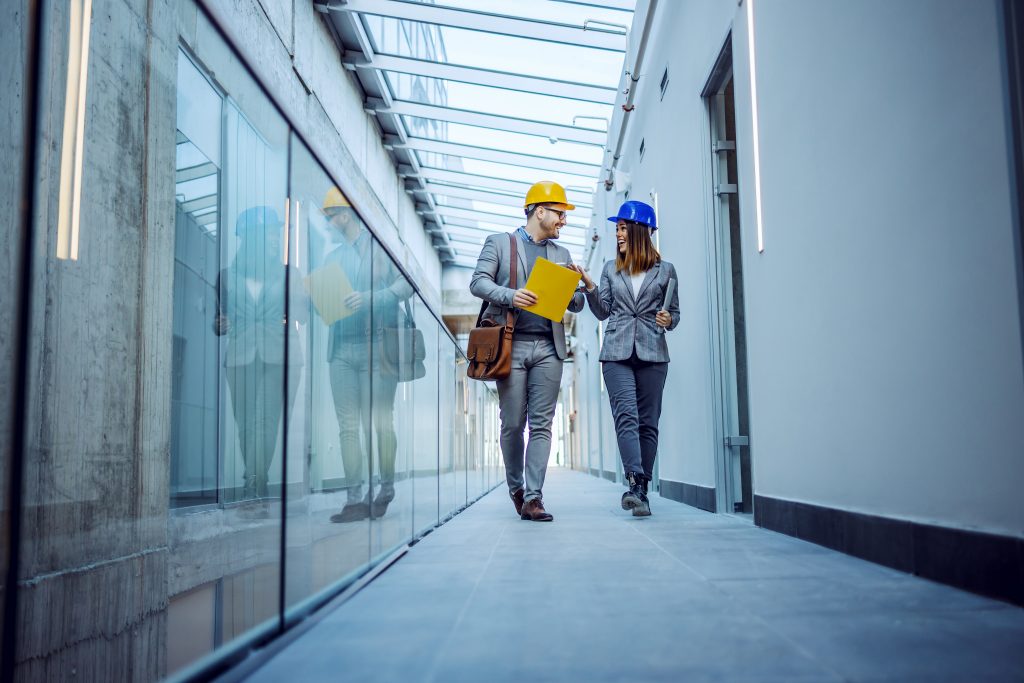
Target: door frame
column 722, row 338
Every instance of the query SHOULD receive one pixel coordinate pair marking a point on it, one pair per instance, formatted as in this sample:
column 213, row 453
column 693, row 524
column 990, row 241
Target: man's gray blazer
column 491, row 280
column 632, row 320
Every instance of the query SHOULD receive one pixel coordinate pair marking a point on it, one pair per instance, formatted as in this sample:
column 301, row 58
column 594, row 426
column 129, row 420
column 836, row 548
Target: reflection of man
column 364, row 394
column 529, row 395
column 251, row 312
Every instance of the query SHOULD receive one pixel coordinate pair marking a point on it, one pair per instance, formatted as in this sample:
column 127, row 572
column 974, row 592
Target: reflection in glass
column 363, row 385
column 194, row 395
column 229, row 392
column 320, row 462
column 448, row 465
column 426, row 413
column 251, row 314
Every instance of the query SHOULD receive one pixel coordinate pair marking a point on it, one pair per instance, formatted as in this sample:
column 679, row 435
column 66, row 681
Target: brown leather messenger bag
column 490, row 345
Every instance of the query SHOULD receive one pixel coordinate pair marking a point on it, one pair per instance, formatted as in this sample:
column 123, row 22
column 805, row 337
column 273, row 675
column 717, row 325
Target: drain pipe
column 632, row 79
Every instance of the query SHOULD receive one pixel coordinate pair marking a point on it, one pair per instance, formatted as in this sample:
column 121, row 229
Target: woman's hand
column 221, row 325
column 663, row 318
column 587, row 282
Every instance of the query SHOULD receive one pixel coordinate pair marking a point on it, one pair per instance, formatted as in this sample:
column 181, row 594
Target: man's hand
column 524, row 298
column 354, row 300
column 664, row 318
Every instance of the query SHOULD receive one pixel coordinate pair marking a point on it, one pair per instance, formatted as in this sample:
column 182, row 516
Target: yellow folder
column 328, row 286
column 553, row 284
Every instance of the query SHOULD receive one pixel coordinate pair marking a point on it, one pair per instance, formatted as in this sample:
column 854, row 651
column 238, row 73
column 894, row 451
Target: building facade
column 233, row 333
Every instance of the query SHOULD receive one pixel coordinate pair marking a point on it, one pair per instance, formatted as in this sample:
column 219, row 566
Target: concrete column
column 93, row 573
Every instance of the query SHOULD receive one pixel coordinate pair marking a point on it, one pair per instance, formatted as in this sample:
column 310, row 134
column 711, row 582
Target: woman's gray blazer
column 632, row 320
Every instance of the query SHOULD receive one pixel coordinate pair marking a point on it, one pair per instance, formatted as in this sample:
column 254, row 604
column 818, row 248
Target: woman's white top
column 637, row 280
column 255, row 287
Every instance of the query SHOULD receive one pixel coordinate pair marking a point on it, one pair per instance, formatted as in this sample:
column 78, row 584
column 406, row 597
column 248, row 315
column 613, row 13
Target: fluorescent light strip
column 73, row 145
column 753, row 112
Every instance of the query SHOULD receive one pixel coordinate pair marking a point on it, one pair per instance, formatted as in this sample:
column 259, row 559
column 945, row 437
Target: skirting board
column 702, row 497
column 979, row 562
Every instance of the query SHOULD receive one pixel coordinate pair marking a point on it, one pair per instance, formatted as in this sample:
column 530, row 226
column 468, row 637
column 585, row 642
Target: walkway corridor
column 490, row 598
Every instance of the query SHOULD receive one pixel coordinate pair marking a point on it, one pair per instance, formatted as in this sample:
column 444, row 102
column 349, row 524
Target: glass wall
column 239, row 402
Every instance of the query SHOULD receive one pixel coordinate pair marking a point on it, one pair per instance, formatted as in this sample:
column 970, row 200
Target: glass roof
column 478, row 99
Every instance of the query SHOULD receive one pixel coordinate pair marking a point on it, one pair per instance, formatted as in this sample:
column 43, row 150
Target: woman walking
column 638, row 294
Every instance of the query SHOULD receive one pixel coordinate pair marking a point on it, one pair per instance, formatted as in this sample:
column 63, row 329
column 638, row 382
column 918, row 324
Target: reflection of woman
column 363, row 388
column 634, row 353
column 251, row 311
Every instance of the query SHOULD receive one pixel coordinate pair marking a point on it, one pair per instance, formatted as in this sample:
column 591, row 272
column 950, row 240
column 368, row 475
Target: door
column 734, row 488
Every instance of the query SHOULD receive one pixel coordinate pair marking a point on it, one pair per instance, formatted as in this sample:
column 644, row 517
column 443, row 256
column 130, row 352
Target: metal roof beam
column 544, row 129
column 567, row 238
column 505, row 80
column 500, row 156
column 470, row 228
column 574, row 219
column 488, row 217
column 492, row 197
column 513, row 187
column 625, row 5
column 487, row 22
column 580, row 218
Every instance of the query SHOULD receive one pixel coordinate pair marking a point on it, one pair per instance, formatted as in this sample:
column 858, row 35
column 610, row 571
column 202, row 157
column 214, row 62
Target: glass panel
column 471, row 456
column 519, row 142
column 545, row 106
column 532, row 57
column 396, row 349
column 195, row 382
column 230, row 397
column 541, row 10
column 328, row 469
column 447, row 458
column 425, row 400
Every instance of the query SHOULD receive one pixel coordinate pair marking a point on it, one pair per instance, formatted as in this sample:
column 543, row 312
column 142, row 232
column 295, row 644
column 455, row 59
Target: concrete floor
column 681, row 596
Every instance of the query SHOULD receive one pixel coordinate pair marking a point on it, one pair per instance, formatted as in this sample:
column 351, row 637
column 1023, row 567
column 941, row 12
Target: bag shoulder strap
column 513, row 281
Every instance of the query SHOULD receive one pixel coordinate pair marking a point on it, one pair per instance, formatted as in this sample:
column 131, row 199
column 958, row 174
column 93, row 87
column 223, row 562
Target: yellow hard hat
column 335, row 200
column 547, row 192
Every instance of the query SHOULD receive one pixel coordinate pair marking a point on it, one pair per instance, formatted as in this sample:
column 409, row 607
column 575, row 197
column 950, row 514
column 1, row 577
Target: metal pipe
column 634, row 77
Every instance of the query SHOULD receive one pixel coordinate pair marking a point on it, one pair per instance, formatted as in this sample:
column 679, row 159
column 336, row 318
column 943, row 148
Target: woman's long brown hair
column 640, row 253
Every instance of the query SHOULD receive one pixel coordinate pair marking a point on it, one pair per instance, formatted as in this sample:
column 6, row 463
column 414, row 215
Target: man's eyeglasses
column 560, row 213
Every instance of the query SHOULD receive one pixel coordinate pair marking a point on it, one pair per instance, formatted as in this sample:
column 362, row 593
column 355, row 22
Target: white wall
column 882, row 317
column 885, row 349
column 686, row 38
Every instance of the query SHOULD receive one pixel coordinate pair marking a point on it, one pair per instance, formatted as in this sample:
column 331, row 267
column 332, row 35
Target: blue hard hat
column 257, row 218
column 637, row 212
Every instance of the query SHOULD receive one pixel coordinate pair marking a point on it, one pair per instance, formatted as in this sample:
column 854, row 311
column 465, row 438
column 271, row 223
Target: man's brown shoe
column 517, row 500
column 533, row 511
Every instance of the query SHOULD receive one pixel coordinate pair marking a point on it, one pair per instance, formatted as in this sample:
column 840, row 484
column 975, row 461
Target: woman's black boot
column 643, row 508
column 635, row 496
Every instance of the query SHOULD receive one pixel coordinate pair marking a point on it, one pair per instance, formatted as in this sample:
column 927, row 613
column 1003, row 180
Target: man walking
column 529, row 394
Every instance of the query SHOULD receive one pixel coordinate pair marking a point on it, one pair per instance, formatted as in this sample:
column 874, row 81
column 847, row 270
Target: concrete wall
column 12, row 82
column 882, row 317
column 94, row 551
column 96, row 555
